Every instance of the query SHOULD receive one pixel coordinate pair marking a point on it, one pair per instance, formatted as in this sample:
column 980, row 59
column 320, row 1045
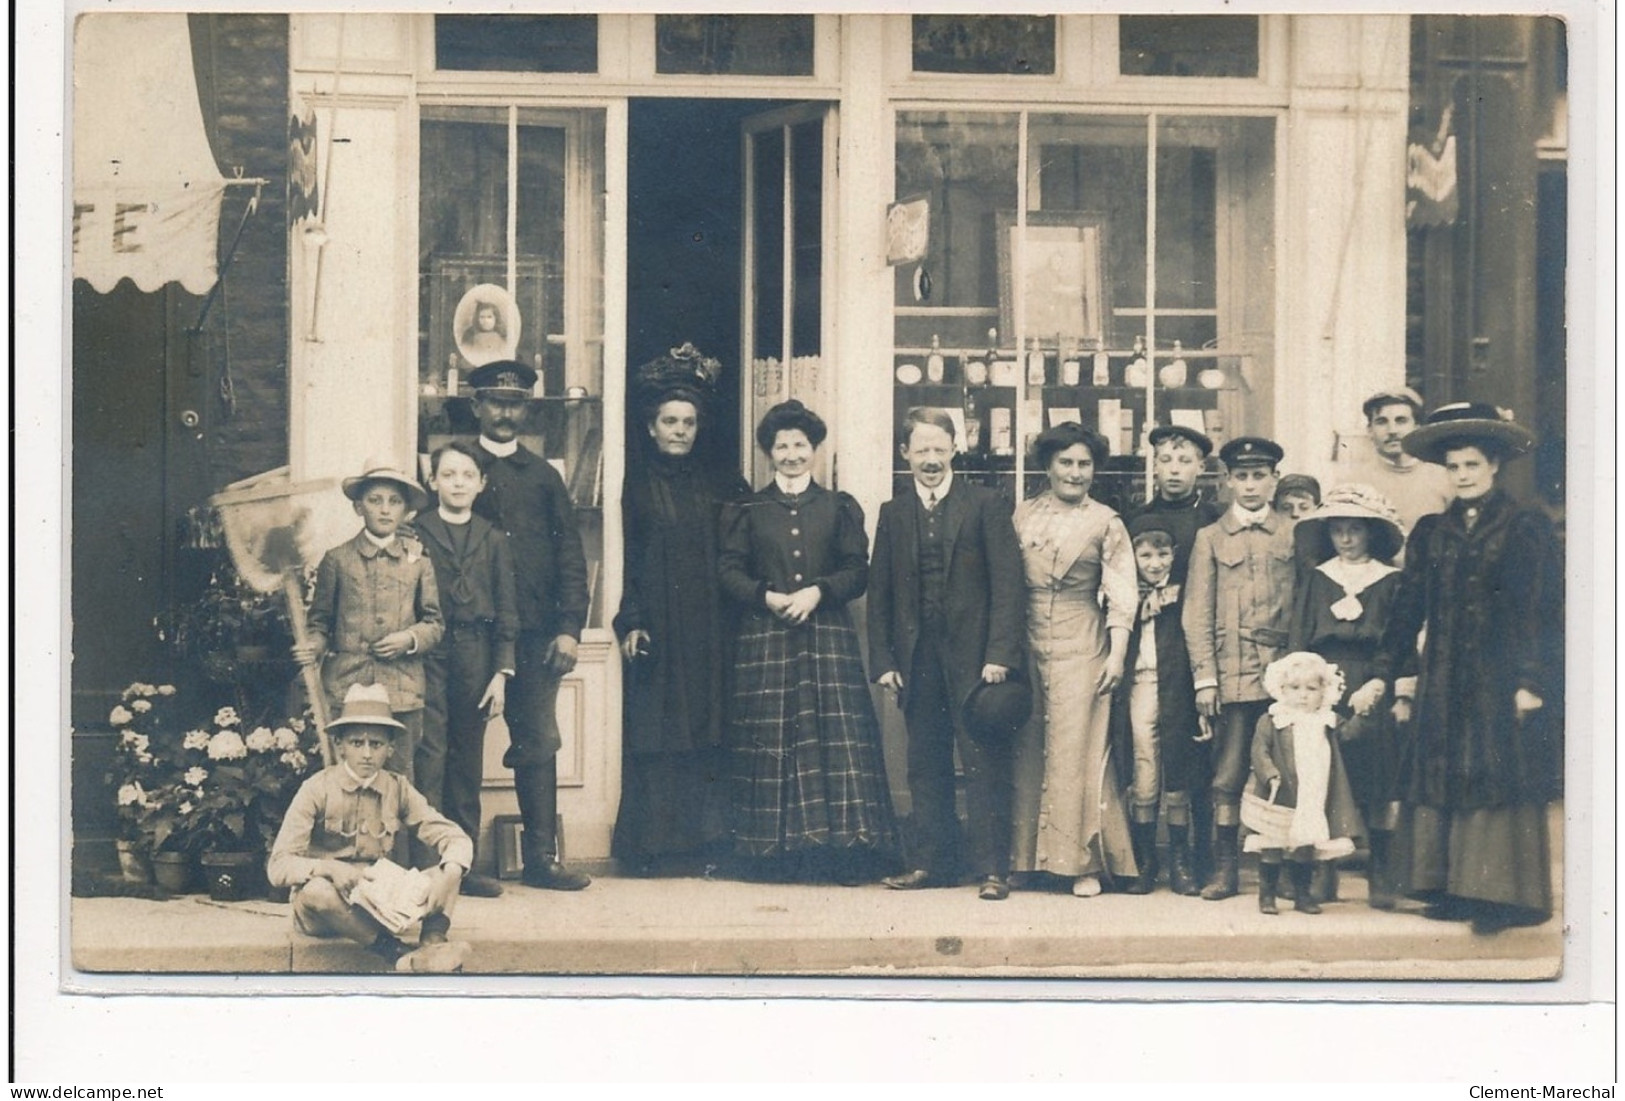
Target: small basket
column 1262, row 816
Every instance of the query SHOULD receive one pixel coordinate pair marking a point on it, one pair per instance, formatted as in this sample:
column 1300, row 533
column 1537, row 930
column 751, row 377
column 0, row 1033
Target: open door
column 789, row 165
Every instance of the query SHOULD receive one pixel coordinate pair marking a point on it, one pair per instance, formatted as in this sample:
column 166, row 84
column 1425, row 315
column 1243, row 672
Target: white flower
column 295, row 760
column 131, row 793
column 285, row 738
column 135, row 740
column 141, row 707
column 226, row 716
column 143, row 756
column 298, row 725
column 227, row 745
column 260, row 740
column 186, row 808
column 120, row 715
column 166, row 689
column 195, row 739
column 196, row 775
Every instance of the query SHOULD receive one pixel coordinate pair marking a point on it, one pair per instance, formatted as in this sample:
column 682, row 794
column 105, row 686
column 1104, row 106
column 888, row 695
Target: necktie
column 931, row 501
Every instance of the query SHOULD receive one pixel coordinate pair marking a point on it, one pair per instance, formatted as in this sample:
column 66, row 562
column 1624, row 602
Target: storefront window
column 511, row 247
column 734, row 45
column 516, row 43
column 1136, row 289
column 1188, row 45
column 1006, row 45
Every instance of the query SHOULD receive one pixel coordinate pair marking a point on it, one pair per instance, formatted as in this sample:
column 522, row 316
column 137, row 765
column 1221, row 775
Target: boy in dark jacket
column 467, row 675
column 1154, row 720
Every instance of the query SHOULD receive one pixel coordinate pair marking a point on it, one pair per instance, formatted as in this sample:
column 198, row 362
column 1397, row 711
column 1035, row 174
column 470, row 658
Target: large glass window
column 511, row 248
column 516, row 43
column 1007, row 45
column 1188, row 45
column 734, row 45
column 1116, row 270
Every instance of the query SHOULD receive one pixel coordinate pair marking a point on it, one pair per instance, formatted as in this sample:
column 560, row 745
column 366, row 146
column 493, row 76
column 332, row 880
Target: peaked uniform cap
column 503, row 378
column 1251, row 451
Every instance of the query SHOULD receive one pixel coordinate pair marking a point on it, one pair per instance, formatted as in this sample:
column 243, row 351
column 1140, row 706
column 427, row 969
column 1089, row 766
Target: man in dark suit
column 525, row 498
column 945, row 614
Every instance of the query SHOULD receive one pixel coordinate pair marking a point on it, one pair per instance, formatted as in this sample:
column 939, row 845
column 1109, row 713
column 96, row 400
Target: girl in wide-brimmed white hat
column 1342, row 609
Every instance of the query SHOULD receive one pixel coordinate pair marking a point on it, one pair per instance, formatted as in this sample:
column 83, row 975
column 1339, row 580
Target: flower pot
column 232, row 877
column 174, row 872
column 133, row 863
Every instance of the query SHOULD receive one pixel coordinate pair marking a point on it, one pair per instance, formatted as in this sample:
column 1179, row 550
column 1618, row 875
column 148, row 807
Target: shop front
column 1124, row 221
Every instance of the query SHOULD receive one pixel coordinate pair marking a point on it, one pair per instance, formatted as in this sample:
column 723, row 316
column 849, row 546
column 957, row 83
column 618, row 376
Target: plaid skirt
column 808, row 768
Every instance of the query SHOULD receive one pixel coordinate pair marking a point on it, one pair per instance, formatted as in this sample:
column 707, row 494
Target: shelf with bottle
column 1059, row 362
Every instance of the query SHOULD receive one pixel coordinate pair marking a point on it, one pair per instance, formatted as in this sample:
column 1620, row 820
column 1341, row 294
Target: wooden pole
column 293, row 589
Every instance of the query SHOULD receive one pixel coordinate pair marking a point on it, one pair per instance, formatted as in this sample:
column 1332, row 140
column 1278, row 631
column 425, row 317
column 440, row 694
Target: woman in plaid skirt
column 810, row 794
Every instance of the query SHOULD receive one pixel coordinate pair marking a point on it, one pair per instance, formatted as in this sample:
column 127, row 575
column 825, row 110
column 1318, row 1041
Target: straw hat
column 379, row 469
column 367, row 705
column 1356, row 502
column 1471, row 424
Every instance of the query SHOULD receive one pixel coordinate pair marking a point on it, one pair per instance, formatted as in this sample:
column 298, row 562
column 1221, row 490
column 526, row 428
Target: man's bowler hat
column 994, row 712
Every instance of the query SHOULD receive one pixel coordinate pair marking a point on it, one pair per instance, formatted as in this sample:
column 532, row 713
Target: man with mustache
column 525, row 498
column 945, row 616
column 1417, row 488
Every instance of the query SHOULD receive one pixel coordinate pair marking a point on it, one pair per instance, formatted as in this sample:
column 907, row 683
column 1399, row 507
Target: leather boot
column 1202, row 839
column 1144, row 835
column 1269, row 878
column 1323, row 883
column 1181, row 873
column 1302, row 875
column 1226, row 865
column 1379, row 877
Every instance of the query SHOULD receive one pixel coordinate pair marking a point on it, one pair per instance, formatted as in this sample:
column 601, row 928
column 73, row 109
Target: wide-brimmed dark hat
column 994, row 712
column 503, row 378
column 1180, row 432
column 684, row 371
column 1469, row 423
column 377, row 469
column 1354, row 501
column 1251, row 451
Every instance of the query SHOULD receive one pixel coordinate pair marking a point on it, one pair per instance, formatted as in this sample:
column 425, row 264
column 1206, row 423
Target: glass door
column 789, row 165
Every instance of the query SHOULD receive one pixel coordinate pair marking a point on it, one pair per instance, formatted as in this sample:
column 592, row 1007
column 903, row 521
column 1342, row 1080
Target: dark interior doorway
column 684, row 209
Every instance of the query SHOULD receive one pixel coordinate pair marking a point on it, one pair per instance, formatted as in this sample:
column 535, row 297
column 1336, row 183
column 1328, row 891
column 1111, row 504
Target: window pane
column 517, row 43
column 735, row 45
column 767, row 167
column 807, row 166
column 1004, row 44
column 1188, row 45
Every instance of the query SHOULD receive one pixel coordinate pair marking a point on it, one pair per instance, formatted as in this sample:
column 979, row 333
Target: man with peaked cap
column 1238, row 610
column 525, row 498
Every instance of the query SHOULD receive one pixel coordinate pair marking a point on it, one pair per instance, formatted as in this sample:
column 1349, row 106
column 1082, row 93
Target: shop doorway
column 725, row 248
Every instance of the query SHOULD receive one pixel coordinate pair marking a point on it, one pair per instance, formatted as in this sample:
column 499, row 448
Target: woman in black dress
column 810, row 798
column 1485, row 753
column 674, row 630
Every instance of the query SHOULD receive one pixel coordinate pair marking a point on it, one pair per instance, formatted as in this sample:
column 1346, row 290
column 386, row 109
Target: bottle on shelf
column 451, row 375
column 1071, row 370
column 934, row 367
column 1176, row 372
column 976, row 369
column 1035, row 363
column 1138, row 372
column 975, row 440
column 1101, row 371
column 540, row 389
column 1211, row 376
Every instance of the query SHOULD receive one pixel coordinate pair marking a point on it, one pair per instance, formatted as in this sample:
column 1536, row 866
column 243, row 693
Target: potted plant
column 228, row 798
column 145, row 720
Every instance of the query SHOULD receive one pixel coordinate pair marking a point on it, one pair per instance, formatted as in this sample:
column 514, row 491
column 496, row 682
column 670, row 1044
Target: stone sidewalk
column 705, row 927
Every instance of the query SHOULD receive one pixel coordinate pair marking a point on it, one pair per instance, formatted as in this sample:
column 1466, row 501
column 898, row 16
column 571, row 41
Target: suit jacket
column 1238, row 603
column 525, row 498
column 364, row 592
column 476, row 586
column 983, row 592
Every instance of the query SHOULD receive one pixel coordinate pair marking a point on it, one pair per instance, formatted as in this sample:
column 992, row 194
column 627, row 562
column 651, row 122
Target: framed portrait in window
column 1062, row 289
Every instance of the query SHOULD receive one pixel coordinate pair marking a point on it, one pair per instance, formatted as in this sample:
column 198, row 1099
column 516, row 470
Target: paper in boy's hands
column 396, row 896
